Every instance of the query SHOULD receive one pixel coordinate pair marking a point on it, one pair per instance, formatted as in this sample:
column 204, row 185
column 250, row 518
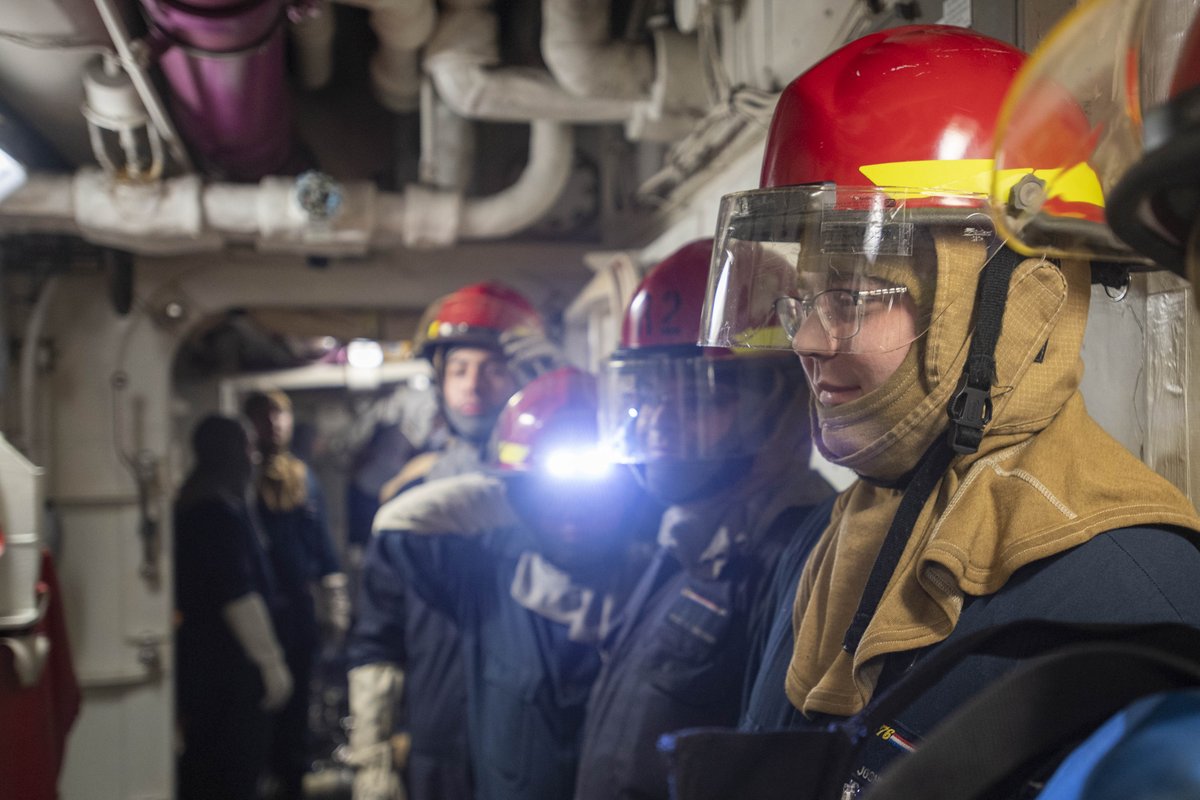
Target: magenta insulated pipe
column 225, row 65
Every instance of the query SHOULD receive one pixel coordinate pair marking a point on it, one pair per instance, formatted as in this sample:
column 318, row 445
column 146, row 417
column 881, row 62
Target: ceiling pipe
column 585, row 60
column 182, row 215
column 448, row 143
column 225, row 64
column 463, row 60
column 533, row 195
column 403, row 28
column 311, row 32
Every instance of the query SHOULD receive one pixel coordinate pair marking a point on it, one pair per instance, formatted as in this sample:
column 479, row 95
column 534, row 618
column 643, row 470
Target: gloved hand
column 277, row 680
column 530, row 354
column 374, row 689
column 333, row 606
column 464, row 505
column 251, row 625
column 378, row 781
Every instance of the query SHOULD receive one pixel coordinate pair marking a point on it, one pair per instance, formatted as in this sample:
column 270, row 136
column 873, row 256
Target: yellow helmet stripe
column 1076, row 184
column 512, row 454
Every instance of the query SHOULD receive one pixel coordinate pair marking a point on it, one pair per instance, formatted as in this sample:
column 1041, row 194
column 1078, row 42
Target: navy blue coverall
column 218, row 559
column 680, row 660
column 1124, row 576
column 527, row 682
column 393, row 624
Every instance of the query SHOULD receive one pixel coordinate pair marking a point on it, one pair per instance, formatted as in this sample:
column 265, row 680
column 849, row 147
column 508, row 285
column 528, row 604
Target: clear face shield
column 668, row 406
column 1079, row 110
column 826, row 269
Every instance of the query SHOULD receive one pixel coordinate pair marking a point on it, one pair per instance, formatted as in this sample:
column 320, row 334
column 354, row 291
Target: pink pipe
column 225, row 65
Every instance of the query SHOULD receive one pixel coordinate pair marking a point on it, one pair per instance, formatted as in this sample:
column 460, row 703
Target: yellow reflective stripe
column 1077, row 184
column 967, row 176
column 512, row 454
column 760, row 337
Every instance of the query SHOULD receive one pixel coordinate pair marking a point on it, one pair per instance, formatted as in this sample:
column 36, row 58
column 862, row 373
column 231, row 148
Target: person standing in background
column 291, row 508
column 534, row 560
column 722, row 440
column 231, row 668
column 483, row 341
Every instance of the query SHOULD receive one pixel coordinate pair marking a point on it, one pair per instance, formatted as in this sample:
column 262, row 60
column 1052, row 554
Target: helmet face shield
column 826, row 269
column 1081, row 112
column 667, row 407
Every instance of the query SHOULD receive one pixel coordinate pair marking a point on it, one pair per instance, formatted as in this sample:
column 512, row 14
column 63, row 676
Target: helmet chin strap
column 970, row 411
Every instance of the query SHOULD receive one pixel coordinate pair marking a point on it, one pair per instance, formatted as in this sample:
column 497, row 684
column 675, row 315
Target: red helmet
column 879, row 110
column 876, row 156
column 579, row 507
column 665, row 310
column 549, row 427
column 663, row 397
column 475, row 315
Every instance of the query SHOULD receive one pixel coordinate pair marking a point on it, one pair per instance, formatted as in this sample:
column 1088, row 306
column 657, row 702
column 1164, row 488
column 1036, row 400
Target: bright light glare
column 12, row 175
column 633, row 413
column 364, row 354
column 580, row 463
column 526, row 419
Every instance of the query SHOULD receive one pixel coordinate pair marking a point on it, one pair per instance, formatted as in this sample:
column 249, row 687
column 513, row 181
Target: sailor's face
column 476, row 382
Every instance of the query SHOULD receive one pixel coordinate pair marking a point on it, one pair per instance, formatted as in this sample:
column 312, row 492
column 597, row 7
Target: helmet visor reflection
column 833, row 269
column 670, row 408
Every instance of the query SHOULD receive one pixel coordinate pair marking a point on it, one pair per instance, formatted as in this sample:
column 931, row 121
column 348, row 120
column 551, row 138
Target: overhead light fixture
column 364, row 354
column 124, row 140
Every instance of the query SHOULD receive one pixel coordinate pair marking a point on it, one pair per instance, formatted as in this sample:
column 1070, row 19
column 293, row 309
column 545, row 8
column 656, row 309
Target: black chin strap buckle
column 970, row 411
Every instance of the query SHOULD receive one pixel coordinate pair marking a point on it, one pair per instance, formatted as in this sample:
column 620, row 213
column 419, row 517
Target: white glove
column 463, row 505
column 378, row 782
column 333, row 606
column 530, row 354
column 374, row 689
column 251, row 625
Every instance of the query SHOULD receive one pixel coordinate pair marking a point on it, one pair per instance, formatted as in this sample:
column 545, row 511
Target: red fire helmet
column 666, row 307
column 876, row 156
column 475, row 315
column 906, row 107
column 662, row 396
column 549, row 427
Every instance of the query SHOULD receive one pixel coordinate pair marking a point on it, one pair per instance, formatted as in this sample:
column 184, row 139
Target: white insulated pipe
column 28, row 370
column 447, row 143
column 403, row 28
column 462, row 59
column 585, row 60
column 533, row 194
column 182, row 215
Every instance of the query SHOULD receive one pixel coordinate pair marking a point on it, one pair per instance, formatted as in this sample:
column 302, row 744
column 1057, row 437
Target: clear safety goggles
column 828, row 269
column 672, row 407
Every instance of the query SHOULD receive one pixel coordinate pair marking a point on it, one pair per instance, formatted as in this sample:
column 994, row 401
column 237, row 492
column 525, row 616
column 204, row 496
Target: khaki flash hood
column 1046, row 478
